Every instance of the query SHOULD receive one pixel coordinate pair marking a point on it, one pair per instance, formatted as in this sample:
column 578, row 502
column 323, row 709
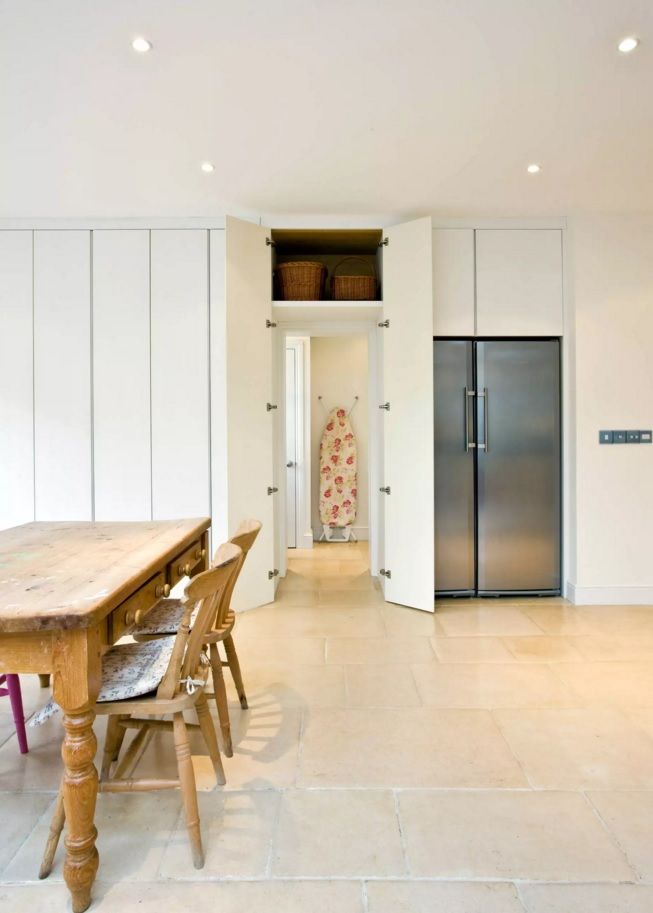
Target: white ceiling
column 324, row 106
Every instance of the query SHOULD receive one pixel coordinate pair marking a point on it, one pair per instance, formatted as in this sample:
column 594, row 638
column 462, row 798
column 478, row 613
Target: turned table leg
column 76, row 685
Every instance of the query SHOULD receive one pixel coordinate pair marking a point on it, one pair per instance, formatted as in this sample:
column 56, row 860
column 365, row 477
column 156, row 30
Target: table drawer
column 135, row 608
column 185, row 564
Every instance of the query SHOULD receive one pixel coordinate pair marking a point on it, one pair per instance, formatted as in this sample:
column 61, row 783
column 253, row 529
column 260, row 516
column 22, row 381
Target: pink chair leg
column 16, row 699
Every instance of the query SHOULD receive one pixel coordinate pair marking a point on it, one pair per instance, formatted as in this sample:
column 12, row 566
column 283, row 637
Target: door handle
column 289, row 464
column 469, row 395
column 486, row 399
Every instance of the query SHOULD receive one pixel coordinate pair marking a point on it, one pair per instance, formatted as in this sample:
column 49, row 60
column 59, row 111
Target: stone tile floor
column 496, row 757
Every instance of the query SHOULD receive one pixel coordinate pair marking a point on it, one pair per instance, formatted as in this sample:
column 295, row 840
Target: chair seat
column 165, row 618
column 128, row 671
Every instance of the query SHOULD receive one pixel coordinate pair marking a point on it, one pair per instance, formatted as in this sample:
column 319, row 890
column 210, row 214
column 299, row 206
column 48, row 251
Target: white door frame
column 303, row 531
column 333, row 327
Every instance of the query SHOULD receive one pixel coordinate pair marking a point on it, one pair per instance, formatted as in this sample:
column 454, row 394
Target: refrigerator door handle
column 486, row 441
column 469, row 395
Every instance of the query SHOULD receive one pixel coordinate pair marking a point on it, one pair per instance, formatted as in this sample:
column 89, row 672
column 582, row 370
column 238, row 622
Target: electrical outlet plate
column 645, row 437
column 618, row 437
column 632, row 437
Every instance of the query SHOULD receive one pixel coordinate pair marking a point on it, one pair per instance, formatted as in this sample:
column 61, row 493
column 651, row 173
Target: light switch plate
column 618, row 437
column 605, row 437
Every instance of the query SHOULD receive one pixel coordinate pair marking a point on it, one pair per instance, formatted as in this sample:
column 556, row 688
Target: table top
column 67, row 575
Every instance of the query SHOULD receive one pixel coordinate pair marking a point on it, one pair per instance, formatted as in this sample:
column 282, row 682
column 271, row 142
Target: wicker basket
column 301, row 280
column 353, row 288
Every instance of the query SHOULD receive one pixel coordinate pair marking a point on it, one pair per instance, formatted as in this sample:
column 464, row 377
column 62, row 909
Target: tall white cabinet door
column 121, row 375
column 250, row 426
column 16, row 393
column 519, row 282
column 180, row 374
column 453, row 282
column 62, row 375
column 408, row 424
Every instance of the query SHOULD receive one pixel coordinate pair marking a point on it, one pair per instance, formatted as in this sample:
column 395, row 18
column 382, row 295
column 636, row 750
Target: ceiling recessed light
column 207, row 167
column 626, row 45
column 142, row 45
column 534, row 168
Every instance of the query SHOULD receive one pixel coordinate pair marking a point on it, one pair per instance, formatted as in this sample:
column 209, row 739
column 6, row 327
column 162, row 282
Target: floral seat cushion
column 164, row 618
column 128, row 671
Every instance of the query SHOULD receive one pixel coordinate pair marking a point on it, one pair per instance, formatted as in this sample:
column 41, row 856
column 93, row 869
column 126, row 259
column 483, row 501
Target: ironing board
column 338, row 485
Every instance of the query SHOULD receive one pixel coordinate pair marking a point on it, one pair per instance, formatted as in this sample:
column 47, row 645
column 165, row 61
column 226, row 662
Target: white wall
column 612, row 287
column 339, row 371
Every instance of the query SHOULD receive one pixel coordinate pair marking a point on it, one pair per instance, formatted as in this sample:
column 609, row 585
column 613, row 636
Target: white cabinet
column 407, row 364
column 16, row 395
column 453, row 282
column 62, row 375
column 519, row 282
column 249, row 423
column 180, row 373
column 121, row 375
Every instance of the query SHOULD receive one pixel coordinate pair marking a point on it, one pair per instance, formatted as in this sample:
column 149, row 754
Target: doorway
column 330, row 509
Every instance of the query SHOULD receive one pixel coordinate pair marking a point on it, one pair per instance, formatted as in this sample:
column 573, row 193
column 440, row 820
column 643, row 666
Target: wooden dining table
column 68, row 590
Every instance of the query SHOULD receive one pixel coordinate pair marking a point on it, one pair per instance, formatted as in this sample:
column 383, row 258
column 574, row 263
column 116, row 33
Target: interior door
column 249, row 383
column 291, row 447
column 408, row 420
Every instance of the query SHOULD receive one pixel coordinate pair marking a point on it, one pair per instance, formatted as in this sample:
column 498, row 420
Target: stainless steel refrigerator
column 497, row 466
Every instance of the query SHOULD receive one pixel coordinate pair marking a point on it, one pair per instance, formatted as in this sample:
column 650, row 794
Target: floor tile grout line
column 402, row 836
column 365, row 902
column 269, row 864
column 517, row 760
column 614, row 840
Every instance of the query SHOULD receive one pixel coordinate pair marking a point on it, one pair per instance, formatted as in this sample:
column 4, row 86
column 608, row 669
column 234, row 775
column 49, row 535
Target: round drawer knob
column 183, row 570
column 162, row 590
column 200, row 553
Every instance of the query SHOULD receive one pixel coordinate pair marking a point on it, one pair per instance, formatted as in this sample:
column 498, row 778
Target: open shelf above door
column 331, row 247
column 318, row 311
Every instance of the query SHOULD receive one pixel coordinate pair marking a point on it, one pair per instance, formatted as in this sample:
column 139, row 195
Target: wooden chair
column 11, row 687
column 129, row 668
column 164, row 619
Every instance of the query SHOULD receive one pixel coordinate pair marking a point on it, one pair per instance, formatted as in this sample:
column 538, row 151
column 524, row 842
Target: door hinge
column 272, row 490
column 384, row 324
column 385, row 406
column 384, row 243
column 386, row 490
column 270, row 406
column 269, row 242
column 270, row 324
column 386, row 574
column 273, row 574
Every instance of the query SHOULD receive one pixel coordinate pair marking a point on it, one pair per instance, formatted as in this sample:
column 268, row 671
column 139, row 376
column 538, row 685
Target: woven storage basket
column 301, row 280
column 353, row 288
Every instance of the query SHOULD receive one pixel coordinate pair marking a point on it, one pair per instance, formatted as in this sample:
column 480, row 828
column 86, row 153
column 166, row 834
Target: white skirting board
column 609, row 595
column 361, row 533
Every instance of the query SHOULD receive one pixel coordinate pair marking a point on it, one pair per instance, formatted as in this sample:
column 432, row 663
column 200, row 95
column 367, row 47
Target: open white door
column 408, row 421
column 250, row 424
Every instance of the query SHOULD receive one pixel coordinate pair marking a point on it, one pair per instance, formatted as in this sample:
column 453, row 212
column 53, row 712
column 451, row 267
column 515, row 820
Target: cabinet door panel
column 180, row 374
column 62, row 375
column 250, row 427
column 519, row 282
column 408, row 425
column 453, row 282
column 121, row 375
column 16, row 393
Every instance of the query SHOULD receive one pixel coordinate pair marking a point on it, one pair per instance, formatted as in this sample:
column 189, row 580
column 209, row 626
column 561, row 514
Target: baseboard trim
column 361, row 532
column 609, row 595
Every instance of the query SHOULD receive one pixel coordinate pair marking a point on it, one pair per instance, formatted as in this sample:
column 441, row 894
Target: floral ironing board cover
column 338, row 462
